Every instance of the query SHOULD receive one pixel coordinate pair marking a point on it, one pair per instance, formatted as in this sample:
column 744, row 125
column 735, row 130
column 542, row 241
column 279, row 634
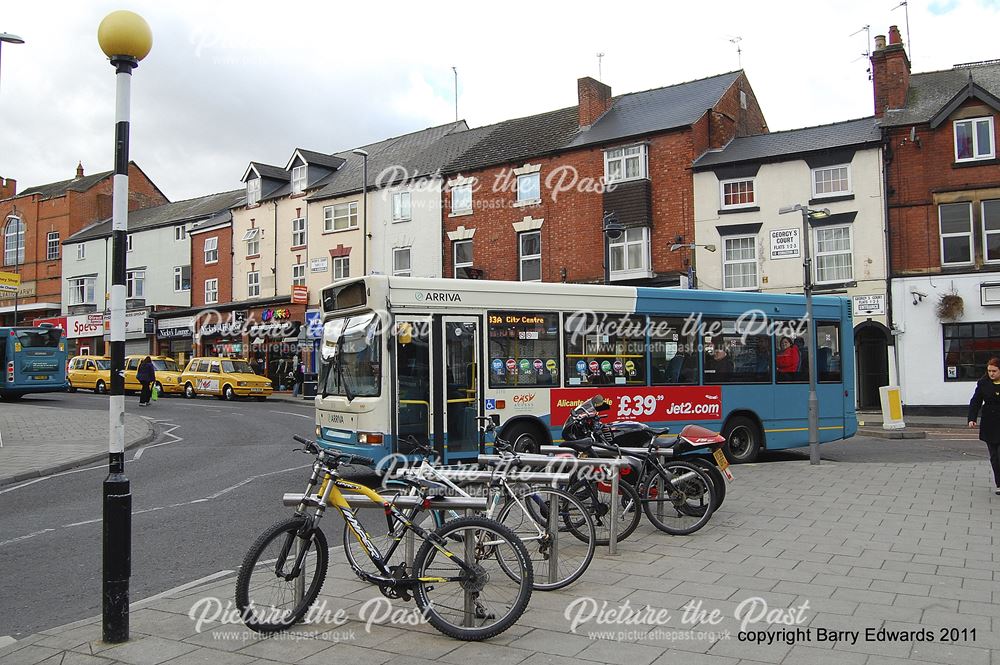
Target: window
column 252, row 239
column 831, row 181
column 81, row 251
column 401, row 207
column 834, row 257
column 967, row 347
column 253, row 191
column 299, row 179
column 605, row 349
column 135, row 284
column 738, row 193
column 625, row 163
column 52, row 246
column 13, row 242
column 828, row 353
column 791, row 359
column 299, row 274
column 341, row 267
column 735, row 354
column 81, row 290
column 180, row 233
column 211, row 250
column 530, row 252
column 253, row 284
column 974, row 139
column 299, row 232
column 128, row 243
column 956, row 233
column 340, row 217
column 353, row 345
column 461, row 198
column 211, row 291
column 991, row 230
column 523, row 349
column 630, row 252
column 527, row 188
column 673, row 352
column 739, row 262
column 401, row 262
column 182, row 278
column 463, row 259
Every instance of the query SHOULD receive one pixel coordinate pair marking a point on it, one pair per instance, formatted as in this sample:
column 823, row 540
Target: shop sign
column 276, row 330
column 231, row 328
column 300, row 294
column 84, row 325
column 784, row 244
column 871, row 305
column 314, row 324
column 135, row 323
column 275, row 315
column 176, row 328
column 9, row 281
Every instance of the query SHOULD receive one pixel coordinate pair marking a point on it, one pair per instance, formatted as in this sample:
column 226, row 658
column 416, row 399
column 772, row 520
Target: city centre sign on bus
column 785, row 244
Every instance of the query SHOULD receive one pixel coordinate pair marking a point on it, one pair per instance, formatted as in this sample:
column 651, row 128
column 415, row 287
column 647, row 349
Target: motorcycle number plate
column 723, row 464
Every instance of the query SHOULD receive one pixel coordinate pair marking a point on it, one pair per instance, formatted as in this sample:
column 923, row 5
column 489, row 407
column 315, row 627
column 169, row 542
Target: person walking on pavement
column 986, row 401
column 298, row 376
column 146, row 375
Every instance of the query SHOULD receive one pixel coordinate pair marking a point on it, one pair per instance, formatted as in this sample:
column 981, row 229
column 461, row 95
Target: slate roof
column 270, row 171
column 167, row 214
column 319, row 159
column 57, row 189
column 763, row 147
column 929, row 92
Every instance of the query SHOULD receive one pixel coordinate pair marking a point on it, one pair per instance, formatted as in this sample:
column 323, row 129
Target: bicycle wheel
column 718, row 480
column 597, row 497
column 266, row 594
column 687, row 507
column 479, row 605
column 391, row 543
column 558, row 561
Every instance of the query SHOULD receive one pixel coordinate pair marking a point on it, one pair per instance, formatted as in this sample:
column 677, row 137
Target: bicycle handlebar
column 341, row 458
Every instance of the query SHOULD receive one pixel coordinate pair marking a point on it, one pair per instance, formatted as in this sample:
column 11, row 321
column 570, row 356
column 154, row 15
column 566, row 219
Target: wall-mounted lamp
column 918, row 297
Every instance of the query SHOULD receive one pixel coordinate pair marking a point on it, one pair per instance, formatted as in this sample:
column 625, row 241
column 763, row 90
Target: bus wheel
column 524, row 438
column 743, row 440
column 100, row 388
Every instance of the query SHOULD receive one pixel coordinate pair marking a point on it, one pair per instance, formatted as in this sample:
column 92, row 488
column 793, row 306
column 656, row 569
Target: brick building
column 942, row 184
column 39, row 219
column 526, row 202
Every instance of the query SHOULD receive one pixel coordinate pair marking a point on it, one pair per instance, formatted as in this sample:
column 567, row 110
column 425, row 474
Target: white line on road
column 65, row 526
column 24, row 537
column 289, row 413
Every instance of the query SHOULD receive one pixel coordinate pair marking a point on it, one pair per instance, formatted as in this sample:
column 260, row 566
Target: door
column 873, row 366
column 459, row 391
column 413, row 383
column 131, row 367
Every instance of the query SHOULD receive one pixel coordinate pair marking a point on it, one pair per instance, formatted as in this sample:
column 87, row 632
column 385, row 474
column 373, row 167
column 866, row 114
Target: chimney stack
column 890, row 72
column 79, row 170
column 594, row 100
column 8, row 188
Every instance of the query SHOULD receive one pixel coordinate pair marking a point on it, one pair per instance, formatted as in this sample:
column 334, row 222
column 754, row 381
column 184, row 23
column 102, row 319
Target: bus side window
column 828, row 352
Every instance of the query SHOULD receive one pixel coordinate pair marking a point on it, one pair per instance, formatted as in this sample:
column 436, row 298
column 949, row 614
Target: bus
column 406, row 358
column 33, row 360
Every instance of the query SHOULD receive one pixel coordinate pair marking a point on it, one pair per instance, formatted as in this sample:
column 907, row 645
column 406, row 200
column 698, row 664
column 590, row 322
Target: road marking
column 24, row 537
column 182, row 587
column 289, row 413
column 65, row 526
column 167, row 432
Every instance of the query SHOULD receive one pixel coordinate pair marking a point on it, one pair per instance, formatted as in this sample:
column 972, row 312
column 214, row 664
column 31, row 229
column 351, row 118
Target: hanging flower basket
column 950, row 307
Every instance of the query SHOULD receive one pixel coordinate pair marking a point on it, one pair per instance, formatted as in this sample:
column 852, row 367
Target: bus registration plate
column 723, row 463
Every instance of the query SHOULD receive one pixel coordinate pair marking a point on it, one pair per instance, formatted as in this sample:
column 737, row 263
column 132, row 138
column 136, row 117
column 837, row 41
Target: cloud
column 939, row 7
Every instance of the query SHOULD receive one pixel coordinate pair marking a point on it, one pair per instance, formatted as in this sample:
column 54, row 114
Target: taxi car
column 168, row 374
column 226, row 378
column 89, row 373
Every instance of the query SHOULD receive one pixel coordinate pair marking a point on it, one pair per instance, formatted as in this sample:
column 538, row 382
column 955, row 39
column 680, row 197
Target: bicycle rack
column 574, row 463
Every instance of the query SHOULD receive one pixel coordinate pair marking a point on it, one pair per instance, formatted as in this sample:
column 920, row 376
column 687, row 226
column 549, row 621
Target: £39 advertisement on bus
column 674, row 403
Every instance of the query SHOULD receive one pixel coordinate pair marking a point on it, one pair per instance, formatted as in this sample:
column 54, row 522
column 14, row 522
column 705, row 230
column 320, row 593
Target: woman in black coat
column 146, row 375
column 987, row 398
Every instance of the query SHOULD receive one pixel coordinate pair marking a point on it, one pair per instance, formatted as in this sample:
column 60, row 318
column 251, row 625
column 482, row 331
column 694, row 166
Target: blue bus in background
column 32, row 360
column 423, row 358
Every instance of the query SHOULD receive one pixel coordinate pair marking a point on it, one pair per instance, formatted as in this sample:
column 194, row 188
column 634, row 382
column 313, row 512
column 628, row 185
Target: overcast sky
column 230, row 82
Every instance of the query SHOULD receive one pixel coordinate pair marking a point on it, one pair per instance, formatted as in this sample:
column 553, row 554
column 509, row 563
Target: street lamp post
column 6, row 37
column 692, row 270
column 808, row 214
column 364, row 214
column 612, row 230
column 126, row 39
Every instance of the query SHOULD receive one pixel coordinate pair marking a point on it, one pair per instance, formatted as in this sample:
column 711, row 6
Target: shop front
column 222, row 337
column 85, row 335
column 136, row 336
column 175, row 338
column 274, row 342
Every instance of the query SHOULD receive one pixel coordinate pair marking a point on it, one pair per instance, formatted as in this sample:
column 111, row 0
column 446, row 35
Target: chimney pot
column 879, row 42
column 79, row 170
column 894, row 37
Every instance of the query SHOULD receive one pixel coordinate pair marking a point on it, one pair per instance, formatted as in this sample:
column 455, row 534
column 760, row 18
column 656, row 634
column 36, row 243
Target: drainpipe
column 886, row 159
column 274, row 266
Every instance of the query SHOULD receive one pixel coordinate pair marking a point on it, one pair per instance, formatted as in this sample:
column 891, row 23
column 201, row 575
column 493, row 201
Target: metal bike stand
column 470, row 601
column 554, row 536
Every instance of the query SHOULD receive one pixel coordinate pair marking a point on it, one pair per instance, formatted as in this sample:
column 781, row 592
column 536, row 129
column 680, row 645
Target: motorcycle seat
column 580, row 446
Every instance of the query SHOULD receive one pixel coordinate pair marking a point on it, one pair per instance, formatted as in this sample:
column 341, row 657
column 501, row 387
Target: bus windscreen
column 38, row 339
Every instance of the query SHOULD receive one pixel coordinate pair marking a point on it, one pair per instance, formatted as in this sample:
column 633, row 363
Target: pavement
column 869, row 564
column 916, row 426
column 34, row 443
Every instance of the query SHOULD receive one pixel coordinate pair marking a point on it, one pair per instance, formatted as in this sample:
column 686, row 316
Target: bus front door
column 459, row 390
column 413, row 383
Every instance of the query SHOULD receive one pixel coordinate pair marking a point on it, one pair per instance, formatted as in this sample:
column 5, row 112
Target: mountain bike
column 474, row 591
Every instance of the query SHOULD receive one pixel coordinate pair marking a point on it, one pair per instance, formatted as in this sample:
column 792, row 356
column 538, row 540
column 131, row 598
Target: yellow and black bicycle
column 471, row 578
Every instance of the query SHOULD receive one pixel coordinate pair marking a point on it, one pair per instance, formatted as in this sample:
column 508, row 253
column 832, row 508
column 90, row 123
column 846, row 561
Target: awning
column 31, row 307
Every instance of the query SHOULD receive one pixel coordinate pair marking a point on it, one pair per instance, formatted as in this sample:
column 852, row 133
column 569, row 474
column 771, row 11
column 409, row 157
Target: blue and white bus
column 32, row 360
column 408, row 357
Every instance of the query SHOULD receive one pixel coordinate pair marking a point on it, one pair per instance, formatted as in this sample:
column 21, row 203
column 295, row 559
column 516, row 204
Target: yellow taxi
column 226, row 378
column 168, row 374
column 89, row 373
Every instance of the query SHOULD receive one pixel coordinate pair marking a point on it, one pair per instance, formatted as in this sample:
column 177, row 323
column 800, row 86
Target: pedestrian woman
column 986, row 399
column 146, row 375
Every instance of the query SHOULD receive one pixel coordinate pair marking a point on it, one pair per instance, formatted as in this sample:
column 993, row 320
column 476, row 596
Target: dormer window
column 253, row 191
column 299, row 179
column 974, row 139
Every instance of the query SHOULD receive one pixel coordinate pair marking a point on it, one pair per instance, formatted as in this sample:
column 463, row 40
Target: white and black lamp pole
column 126, row 39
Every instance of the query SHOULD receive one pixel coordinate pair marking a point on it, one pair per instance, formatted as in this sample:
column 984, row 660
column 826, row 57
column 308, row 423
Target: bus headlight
column 319, row 432
column 370, row 438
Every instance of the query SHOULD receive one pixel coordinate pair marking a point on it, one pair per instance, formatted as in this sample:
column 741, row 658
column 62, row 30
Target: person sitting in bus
column 788, row 356
column 718, row 365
